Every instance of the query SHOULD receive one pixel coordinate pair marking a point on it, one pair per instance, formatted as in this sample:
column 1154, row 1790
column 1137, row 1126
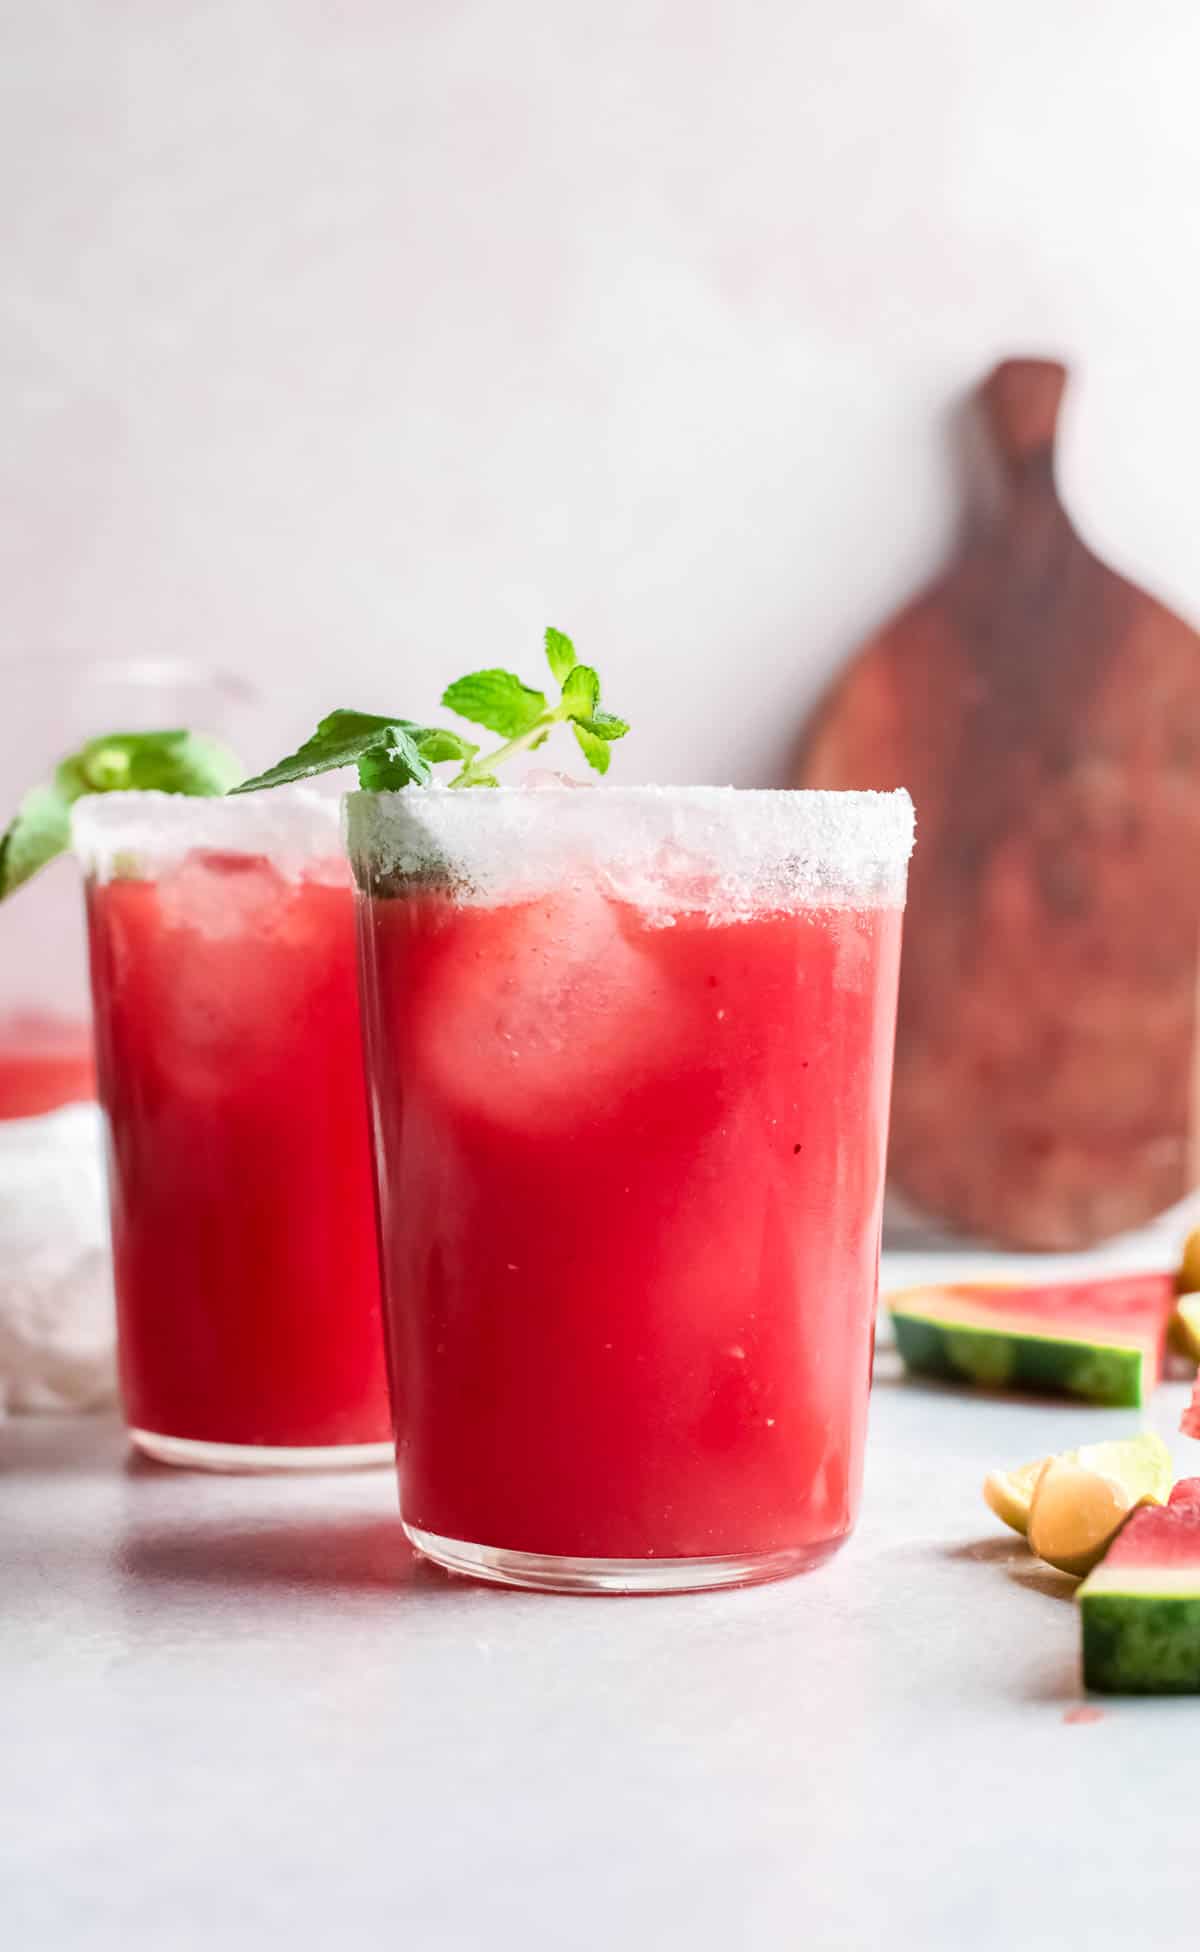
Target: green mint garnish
column 560, row 655
column 40, row 829
column 394, row 752
column 135, row 762
column 496, row 700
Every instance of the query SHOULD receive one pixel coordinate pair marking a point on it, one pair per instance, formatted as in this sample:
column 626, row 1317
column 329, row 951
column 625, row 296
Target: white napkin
column 57, row 1325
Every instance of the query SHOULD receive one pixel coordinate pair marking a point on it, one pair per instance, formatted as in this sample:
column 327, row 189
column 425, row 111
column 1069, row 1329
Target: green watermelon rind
column 1141, row 1643
column 1114, row 1374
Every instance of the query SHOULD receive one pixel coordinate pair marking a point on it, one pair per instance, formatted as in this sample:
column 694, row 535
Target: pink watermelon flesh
column 1128, row 1309
column 1189, row 1422
column 1162, row 1536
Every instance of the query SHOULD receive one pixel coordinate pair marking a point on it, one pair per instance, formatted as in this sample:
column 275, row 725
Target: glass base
column 551, row 1573
column 193, row 1454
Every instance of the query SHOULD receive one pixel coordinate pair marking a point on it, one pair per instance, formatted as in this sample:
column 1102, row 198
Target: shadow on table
column 989, row 1551
column 331, row 1554
column 1018, row 1563
column 1058, row 1683
column 1039, row 1578
column 44, row 1444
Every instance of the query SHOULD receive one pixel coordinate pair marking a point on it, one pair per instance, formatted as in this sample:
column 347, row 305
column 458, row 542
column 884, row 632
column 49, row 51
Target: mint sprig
column 395, row 752
column 136, row 762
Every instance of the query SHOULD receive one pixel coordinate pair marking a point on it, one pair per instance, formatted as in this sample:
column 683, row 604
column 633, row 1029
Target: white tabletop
column 236, row 1714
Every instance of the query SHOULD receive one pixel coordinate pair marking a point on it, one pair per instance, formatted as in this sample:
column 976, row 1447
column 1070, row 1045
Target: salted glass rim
column 284, row 822
column 754, row 844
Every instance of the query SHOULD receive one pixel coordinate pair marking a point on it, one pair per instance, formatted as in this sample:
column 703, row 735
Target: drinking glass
column 629, row 1058
column 53, row 703
column 231, row 1079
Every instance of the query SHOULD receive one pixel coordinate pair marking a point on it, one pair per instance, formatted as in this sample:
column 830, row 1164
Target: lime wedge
column 1185, row 1326
column 1081, row 1499
column 1189, row 1267
column 1010, row 1493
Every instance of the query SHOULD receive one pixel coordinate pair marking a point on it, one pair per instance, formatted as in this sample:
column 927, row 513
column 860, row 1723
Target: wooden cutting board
column 1045, row 715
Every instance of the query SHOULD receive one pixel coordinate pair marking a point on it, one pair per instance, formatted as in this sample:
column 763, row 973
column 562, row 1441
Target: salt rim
column 292, row 825
column 753, row 847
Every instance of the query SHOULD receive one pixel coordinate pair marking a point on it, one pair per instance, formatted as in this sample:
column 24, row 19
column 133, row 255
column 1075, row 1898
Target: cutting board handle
column 1020, row 400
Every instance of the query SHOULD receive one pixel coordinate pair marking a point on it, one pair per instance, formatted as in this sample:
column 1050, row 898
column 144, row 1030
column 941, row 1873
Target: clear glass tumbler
column 54, row 701
column 231, row 1079
column 629, row 1054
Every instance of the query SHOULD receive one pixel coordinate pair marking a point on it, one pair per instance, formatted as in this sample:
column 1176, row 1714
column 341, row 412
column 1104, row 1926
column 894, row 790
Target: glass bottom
column 193, row 1454
column 549, row 1572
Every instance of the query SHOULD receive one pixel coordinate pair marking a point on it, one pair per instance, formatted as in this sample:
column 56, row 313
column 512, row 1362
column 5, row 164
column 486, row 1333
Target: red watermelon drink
column 629, row 1053
column 227, row 1028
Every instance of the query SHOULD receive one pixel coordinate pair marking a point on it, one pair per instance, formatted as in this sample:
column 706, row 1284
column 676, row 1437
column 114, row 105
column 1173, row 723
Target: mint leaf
column 148, row 762
column 497, row 700
column 164, row 762
column 605, row 725
column 581, row 692
column 397, row 760
column 340, row 740
column 40, row 829
column 560, row 655
column 595, row 751
column 438, row 743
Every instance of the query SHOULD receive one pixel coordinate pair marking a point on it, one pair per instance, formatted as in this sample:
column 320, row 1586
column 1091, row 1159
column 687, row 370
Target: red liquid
column 630, row 1190
column 45, row 1062
column 239, row 1174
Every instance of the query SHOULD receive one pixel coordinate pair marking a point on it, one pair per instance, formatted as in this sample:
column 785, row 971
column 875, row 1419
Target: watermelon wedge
column 1141, row 1605
column 1100, row 1340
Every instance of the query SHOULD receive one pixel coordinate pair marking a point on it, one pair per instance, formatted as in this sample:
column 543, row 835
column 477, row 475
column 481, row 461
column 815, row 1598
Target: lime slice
column 1189, row 1268
column 1082, row 1499
column 1010, row 1493
column 1185, row 1326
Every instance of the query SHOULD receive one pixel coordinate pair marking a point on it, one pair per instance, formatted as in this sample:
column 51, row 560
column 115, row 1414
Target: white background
column 350, row 344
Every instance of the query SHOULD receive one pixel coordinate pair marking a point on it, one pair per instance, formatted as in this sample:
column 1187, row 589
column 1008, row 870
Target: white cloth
column 57, row 1322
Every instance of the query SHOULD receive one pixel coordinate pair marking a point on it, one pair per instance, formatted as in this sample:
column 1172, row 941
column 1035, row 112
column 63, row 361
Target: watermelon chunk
column 1189, row 1423
column 1101, row 1340
column 1141, row 1605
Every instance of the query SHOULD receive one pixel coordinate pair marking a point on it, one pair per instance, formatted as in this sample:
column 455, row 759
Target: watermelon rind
column 1145, row 1640
column 998, row 1358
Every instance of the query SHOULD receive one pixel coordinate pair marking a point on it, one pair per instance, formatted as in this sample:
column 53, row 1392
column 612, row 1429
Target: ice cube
column 541, row 1015
column 543, row 779
column 218, row 895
